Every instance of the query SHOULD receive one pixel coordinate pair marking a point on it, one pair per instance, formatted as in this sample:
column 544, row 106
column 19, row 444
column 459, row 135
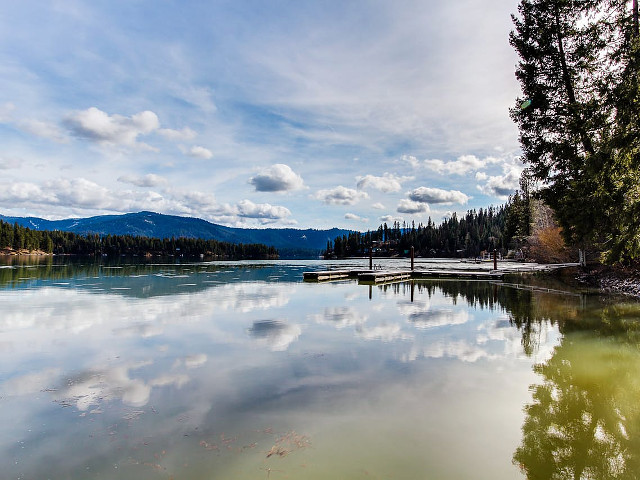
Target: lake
column 239, row 370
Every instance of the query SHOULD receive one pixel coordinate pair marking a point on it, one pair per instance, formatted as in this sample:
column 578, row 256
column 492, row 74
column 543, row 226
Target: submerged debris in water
column 288, row 443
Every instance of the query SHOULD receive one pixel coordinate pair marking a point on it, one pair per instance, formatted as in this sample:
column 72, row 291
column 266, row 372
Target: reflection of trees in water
column 527, row 309
column 584, row 421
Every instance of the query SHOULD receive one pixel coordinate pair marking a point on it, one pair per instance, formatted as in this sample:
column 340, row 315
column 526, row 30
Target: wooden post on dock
column 412, row 252
column 370, row 257
column 495, row 259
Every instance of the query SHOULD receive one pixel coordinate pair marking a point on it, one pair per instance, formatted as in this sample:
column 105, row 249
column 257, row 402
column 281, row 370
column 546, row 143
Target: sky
column 255, row 113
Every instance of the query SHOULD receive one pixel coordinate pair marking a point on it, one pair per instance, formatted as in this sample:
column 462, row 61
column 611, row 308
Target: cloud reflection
column 96, row 387
column 275, row 334
column 340, row 317
column 385, row 332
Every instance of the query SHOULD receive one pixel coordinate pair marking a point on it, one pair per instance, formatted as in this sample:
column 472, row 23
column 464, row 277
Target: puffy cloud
column 263, row 211
column 411, row 207
column 353, row 216
column 391, row 219
column 200, row 152
column 378, row 206
column 148, row 180
column 388, row 182
column 80, row 194
column 277, row 178
column 184, row 134
column 502, row 186
column 411, row 160
column 340, row 196
column 437, row 195
column 461, row 166
column 112, row 130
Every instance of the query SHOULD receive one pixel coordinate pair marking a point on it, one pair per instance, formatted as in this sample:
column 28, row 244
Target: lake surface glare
column 241, row 370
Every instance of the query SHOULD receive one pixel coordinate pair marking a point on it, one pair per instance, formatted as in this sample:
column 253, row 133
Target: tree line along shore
column 16, row 239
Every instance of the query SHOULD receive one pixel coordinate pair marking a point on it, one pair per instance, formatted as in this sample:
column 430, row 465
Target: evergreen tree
column 578, row 117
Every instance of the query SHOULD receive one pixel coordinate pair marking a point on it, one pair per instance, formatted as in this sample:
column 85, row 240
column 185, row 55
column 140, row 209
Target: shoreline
column 612, row 280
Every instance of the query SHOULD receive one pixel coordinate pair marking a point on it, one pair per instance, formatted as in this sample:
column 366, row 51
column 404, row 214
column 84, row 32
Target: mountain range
column 288, row 241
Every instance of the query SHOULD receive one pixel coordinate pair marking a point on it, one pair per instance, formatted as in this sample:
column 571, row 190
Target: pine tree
column 578, row 114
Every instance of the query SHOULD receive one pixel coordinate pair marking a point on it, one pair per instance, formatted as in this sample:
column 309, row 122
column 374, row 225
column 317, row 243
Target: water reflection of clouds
column 73, row 311
column 459, row 349
column 385, row 332
column 275, row 334
column 424, row 314
column 340, row 317
column 30, row 382
column 96, row 387
column 249, row 297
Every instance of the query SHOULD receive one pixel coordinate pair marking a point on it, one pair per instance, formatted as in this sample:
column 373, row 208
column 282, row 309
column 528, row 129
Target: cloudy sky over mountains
column 248, row 113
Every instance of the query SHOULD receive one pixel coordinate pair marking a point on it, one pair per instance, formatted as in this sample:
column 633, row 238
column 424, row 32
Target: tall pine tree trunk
column 568, row 84
column 635, row 19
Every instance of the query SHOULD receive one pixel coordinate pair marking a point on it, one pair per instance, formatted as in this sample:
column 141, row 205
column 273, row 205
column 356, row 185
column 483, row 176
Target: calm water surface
column 242, row 371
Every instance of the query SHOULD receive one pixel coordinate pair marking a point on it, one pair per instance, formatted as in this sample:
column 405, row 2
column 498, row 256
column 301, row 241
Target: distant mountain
column 157, row 225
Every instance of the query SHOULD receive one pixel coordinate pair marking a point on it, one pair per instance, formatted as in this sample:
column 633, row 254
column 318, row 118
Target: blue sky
column 257, row 113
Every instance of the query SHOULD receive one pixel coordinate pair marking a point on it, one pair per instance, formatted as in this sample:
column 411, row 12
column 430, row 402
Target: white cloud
column 86, row 197
column 378, row 206
column 277, row 178
column 388, row 182
column 353, row 216
column 411, row 160
column 112, row 130
column 461, row 166
column 184, row 134
column 481, row 176
column 340, row 196
column 437, row 195
column 200, row 152
column 263, row 211
column 411, row 207
column 502, row 186
column 391, row 219
column 148, row 180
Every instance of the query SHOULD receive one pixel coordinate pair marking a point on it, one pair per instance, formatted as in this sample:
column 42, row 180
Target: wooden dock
column 382, row 276
column 369, row 277
column 378, row 275
column 325, row 275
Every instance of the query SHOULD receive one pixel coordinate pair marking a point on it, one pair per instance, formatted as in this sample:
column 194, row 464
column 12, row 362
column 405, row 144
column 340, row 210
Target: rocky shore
column 612, row 279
